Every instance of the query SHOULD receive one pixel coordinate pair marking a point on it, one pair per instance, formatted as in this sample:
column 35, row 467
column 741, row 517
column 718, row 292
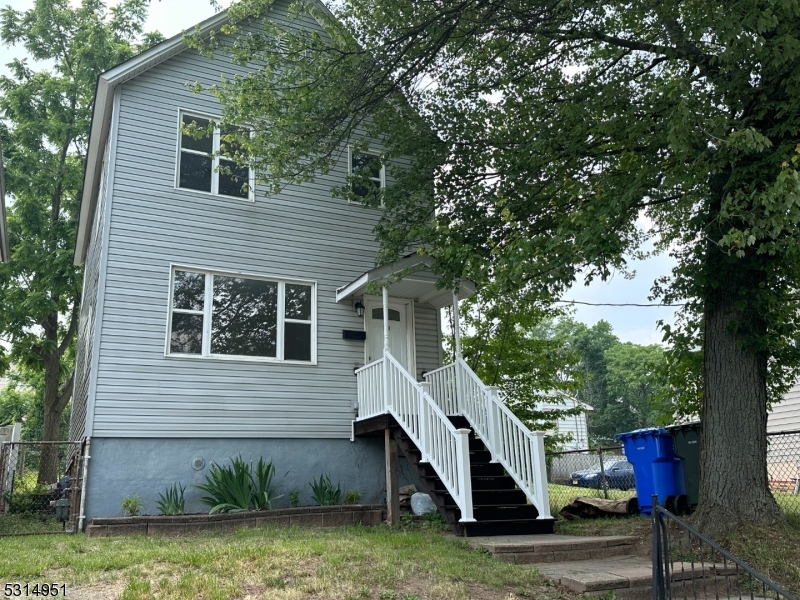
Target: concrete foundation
column 121, row 467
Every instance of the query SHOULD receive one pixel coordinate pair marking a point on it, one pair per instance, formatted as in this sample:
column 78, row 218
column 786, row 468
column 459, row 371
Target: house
column 217, row 322
column 575, row 427
column 783, row 452
column 785, row 416
column 5, row 255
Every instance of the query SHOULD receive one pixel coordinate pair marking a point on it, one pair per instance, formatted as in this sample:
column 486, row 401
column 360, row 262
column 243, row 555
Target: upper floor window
column 206, row 160
column 218, row 315
column 369, row 163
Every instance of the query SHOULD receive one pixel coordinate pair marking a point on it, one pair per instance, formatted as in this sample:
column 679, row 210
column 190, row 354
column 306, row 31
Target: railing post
column 541, row 492
column 424, row 447
column 386, row 400
column 464, row 474
column 459, row 387
column 658, row 580
column 491, row 420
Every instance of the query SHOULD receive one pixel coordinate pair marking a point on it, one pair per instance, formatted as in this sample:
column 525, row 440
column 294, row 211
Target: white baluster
column 424, row 388
column 491, row 393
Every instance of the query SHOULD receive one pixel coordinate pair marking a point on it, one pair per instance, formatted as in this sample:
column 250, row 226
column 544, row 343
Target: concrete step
column 630, row 578
column 530, row 549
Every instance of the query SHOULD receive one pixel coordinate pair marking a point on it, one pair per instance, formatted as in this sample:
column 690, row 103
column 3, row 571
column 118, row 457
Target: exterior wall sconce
column 359, row 309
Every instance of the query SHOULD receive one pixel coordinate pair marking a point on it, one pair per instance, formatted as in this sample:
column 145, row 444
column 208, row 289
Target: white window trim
column 215, row 145
column 208, row 306
column 381, row 180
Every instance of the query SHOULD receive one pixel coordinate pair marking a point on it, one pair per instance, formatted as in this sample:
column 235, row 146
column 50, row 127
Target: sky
column 631, row 324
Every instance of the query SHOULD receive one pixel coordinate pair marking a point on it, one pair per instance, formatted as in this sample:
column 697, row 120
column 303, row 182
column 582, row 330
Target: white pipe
column 86, row 458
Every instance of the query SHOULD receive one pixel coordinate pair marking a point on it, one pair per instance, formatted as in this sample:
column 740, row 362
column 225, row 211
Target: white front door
column 398, row 331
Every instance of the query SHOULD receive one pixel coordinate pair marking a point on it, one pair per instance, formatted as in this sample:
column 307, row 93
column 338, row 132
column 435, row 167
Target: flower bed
column 305, row 516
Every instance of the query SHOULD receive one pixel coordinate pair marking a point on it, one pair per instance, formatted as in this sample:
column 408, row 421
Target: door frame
column 408, row 306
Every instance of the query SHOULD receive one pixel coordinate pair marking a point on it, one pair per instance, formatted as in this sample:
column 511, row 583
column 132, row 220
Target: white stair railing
column 370, row 390
column 510, row 442
column 443, row 446
column 443, row 388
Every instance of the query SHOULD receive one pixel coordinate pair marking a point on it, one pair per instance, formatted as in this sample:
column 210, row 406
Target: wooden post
column 392, row 485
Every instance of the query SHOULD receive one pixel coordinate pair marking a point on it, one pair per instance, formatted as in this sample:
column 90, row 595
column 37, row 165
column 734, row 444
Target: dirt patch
column 98, row 591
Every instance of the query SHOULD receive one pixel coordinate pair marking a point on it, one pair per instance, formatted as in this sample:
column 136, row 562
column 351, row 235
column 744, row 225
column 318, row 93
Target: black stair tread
column 478, row 506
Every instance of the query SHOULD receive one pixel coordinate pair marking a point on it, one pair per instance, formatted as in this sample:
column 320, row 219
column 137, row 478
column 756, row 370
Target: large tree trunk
column 734, row 488
column 48, row 465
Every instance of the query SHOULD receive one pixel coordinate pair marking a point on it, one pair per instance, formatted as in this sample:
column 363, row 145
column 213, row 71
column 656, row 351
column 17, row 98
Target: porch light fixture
column 359, row 309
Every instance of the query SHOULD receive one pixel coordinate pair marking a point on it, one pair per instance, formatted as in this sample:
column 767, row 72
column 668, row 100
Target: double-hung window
column 219, row 315
column 206, row 158
column 369, row 165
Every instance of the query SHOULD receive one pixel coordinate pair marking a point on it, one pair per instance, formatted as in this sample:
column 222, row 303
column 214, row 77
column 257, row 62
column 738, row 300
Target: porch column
column 385, row 319
column 456, row 325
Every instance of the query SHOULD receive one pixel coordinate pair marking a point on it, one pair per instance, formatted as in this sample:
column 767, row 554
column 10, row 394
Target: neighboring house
column 217, row 321
column 575, row 427
column 785, row 416
column 5, row 255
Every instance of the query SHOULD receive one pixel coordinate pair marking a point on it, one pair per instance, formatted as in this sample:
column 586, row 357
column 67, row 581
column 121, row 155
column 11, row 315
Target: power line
column 611, row 304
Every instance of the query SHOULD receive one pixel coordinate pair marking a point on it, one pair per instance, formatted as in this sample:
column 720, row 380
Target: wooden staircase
column 499, row 507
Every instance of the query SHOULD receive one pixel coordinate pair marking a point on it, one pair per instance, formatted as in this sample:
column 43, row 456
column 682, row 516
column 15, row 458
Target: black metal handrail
column 664, row 574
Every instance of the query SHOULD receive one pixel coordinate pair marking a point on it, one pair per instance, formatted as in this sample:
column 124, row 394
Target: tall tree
column 46, row 120
column 540, row 133
column 511, row 343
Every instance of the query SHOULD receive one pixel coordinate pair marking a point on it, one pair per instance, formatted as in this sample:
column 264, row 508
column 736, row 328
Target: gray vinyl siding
column 426, row 331
column 785, row 416
column 301, row 233
column 88, row 315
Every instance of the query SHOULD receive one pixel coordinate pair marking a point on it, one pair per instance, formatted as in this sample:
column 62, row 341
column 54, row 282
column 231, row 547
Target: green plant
column 131, row 506
column 352, row 497
column 294, row 498
column 171, row 502
column 236, row 488
column 263, row 490
column 323, row 491
column 436, row 520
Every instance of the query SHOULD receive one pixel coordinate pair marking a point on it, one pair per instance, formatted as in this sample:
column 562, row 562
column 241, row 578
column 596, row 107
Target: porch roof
column 419, row 283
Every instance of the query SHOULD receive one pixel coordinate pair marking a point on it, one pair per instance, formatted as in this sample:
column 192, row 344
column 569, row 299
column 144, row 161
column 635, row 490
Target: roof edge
column 101, row 120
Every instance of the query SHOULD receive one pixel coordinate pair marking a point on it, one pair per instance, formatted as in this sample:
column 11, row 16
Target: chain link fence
column 783, row 470
column 606, row 473
column 40, row 487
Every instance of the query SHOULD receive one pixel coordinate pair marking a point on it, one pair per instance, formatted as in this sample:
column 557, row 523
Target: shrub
column 352, row 497
column 236, row 488
column 131, row 506
column 324, row 493
column 294, row 498
column 171, row 502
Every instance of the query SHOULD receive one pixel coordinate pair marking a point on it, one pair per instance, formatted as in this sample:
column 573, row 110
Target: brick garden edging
column 306, row 516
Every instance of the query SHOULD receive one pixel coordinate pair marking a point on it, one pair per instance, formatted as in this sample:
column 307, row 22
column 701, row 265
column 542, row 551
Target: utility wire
column 610, row 304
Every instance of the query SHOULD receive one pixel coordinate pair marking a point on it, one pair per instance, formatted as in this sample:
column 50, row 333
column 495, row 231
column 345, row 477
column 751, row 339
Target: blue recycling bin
column 656, row 468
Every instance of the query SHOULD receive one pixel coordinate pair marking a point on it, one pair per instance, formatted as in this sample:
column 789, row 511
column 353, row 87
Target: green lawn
column 345, row 563
column 561, row 495
column 28, row 523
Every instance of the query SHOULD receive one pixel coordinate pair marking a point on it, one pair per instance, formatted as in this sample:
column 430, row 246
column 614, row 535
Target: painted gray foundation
column 121, row 467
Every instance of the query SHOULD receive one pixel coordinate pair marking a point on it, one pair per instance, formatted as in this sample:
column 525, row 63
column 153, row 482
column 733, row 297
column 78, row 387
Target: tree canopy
column 46, row 104
column 541, row 135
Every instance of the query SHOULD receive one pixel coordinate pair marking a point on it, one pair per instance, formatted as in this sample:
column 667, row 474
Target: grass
column 28, row 524
column 353, row 563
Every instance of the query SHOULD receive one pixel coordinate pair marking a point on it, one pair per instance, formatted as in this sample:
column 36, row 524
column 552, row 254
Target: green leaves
column 171, row 502
column 239, row 487
column 324, row 493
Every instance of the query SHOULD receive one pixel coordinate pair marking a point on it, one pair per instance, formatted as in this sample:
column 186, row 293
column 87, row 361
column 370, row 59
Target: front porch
column 484, row 469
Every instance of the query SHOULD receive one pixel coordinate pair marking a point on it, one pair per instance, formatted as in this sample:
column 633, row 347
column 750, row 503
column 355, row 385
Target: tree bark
column 48, row 464
column 734, row 488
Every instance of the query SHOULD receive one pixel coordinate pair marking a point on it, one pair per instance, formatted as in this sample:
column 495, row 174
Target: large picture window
column 219, row 315
column 206, row 160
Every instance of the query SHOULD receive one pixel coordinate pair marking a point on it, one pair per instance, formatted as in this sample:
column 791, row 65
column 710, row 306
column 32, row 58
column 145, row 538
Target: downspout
column 86, row 457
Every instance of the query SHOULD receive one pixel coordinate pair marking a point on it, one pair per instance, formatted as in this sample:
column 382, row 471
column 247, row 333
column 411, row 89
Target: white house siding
column 301, row 233
column 575, row 426
column 785, row 416
column 86, row 327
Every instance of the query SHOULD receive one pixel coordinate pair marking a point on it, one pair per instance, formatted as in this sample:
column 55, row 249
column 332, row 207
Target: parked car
column 618, row 474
